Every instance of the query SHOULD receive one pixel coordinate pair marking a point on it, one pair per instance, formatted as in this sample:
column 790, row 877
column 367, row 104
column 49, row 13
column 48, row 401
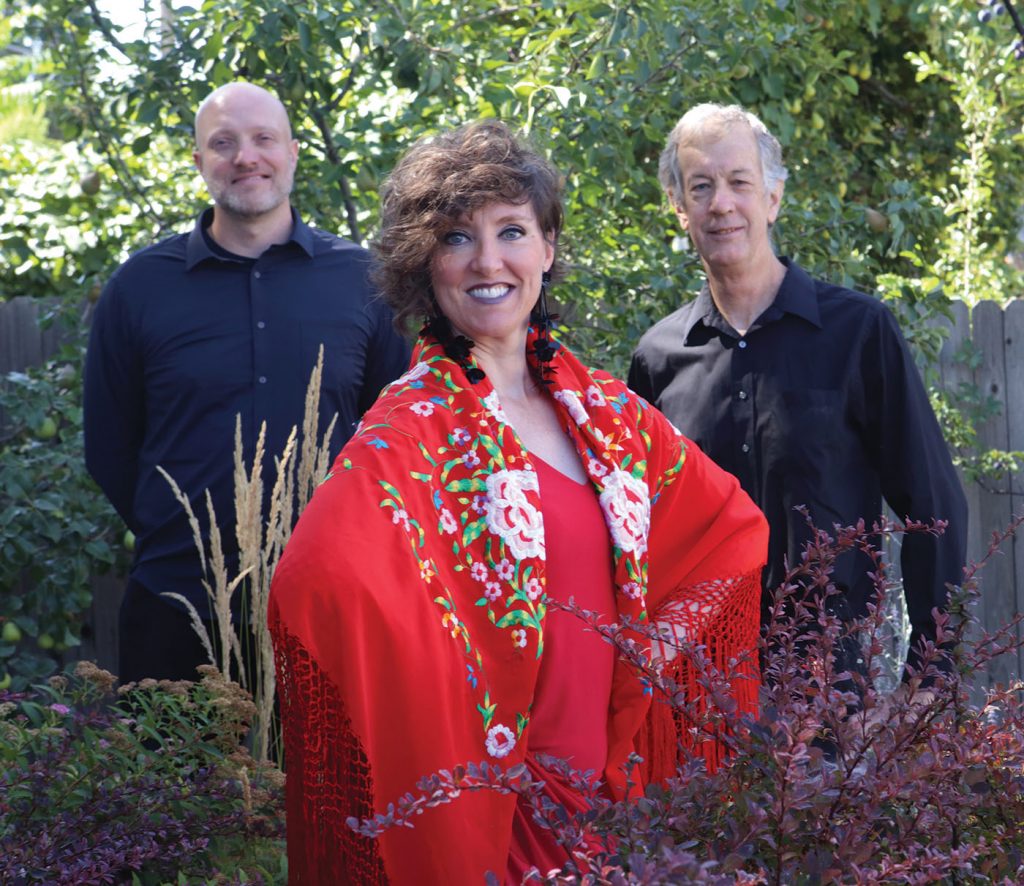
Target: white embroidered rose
column 571, row 401
column 492, row 405
column 417, row 371
column 447, row 521
column 632, row 590
column 500, row 741
column 627, row 509
column 594, row 396
column 512, row 516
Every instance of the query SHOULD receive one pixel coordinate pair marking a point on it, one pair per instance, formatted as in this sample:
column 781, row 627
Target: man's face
column 724, row 205
column 245, row 152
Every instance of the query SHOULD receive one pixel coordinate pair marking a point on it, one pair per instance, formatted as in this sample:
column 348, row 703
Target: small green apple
column 46, row 429
column 128, row 540
column 45, row 641
column 5, row 681
column 10, row 633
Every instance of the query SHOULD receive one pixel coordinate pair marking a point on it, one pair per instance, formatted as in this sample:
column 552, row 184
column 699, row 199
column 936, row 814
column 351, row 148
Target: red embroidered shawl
column 408, row 609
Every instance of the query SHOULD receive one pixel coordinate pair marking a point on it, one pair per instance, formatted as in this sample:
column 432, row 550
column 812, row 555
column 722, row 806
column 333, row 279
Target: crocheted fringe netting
column 722, row 616
column 328, row 776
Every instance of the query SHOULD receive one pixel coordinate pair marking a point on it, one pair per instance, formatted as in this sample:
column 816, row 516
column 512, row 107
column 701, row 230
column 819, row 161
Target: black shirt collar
column 197, row 249
column 796, row 296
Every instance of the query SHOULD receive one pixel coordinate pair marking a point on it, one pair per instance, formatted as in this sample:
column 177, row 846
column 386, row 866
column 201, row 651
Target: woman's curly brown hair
column 439, row 180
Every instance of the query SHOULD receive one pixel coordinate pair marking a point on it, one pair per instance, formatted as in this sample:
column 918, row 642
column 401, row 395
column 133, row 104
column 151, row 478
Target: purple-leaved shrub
column 97, row 786
column 835, row 782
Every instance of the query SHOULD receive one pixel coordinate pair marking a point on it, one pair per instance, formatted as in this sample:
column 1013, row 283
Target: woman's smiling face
column 486, row 273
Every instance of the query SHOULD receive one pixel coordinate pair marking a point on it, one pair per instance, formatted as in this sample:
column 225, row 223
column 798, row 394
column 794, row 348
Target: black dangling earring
column 544, row 348
column 457, row 347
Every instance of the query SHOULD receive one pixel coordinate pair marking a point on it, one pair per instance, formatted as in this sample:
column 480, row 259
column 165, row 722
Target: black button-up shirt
column 818, row 404
column 186, row 337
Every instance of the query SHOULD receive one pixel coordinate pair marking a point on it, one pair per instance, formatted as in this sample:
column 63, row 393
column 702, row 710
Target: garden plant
column 835, row 782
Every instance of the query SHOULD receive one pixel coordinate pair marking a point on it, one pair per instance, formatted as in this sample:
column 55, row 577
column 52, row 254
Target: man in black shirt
column 804, row 390
column 222, row 321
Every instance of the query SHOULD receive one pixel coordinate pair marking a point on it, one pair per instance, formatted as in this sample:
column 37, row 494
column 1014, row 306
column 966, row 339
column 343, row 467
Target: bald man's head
column 240, row 90
column 245, row 151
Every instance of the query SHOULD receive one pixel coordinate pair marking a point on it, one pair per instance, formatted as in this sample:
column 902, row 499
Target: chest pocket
column 802, row 430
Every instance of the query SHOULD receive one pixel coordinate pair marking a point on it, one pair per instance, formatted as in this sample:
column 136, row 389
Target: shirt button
column 743, row 395
column 257, row 275
column 743, row 343
column 263, row 379
column 260, row 324
column 745, row 447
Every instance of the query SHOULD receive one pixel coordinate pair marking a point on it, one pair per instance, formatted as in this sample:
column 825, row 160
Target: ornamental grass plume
column 245, row 650
column 835, row 782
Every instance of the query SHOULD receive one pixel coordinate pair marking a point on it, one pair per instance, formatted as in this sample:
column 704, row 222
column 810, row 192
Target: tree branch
column 320, row 118
column 104, row 26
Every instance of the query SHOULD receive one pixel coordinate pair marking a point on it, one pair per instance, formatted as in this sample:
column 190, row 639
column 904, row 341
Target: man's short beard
column 247, row 209
column 243, row 207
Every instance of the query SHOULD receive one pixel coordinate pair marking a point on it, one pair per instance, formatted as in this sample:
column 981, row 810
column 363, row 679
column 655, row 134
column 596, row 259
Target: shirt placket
column 742, row 408
column 260, row 282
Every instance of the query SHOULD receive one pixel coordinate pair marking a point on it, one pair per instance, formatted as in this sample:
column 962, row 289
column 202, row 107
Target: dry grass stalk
column 221, row 597
column 279, row 527
column 310, row 423
column 182, row 499
column 260, row 545
column 197, row 623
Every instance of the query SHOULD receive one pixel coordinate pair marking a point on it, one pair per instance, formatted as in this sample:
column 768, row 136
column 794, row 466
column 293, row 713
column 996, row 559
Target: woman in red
column 411, row 608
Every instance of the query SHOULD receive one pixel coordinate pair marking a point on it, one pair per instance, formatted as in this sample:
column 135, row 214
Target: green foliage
column 150, row 782
column 597, row 85
column 56, row 527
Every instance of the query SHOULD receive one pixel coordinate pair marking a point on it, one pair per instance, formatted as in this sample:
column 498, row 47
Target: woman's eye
column 513, row 232
column 454, row 238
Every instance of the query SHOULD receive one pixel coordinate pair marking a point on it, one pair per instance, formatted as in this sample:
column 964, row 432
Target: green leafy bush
column 150, row 783
column 57, row 530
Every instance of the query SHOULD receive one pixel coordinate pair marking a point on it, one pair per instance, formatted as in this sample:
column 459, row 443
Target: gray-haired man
column 805, row 391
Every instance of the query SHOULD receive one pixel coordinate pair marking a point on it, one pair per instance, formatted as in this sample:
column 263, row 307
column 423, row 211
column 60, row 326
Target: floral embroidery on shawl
column 485, row 502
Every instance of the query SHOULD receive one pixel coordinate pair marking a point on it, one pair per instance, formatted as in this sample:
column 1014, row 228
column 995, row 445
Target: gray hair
column 710, row 118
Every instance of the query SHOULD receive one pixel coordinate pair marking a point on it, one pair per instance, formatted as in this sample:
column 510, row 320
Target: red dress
column 569, row 717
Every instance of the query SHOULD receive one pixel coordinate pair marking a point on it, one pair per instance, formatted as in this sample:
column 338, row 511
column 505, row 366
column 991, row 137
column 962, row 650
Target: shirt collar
column 197, row 249
column 796, row 296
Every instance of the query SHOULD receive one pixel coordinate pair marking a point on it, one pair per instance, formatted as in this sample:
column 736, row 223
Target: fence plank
column 998, row 596
column 1013, row 343
column 956, row 375
column 21, row 341
column 99, row 633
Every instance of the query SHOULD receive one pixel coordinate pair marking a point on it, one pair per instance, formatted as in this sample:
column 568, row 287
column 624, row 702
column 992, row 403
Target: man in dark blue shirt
column 805, row 391
column 224, row 321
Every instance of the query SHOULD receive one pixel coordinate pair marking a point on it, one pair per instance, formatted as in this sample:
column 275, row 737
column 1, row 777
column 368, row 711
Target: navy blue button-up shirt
column 185, row 338
column 818, row 404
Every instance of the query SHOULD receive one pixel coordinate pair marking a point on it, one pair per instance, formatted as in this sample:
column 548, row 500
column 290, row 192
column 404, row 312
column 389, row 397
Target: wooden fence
column 997, row 335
